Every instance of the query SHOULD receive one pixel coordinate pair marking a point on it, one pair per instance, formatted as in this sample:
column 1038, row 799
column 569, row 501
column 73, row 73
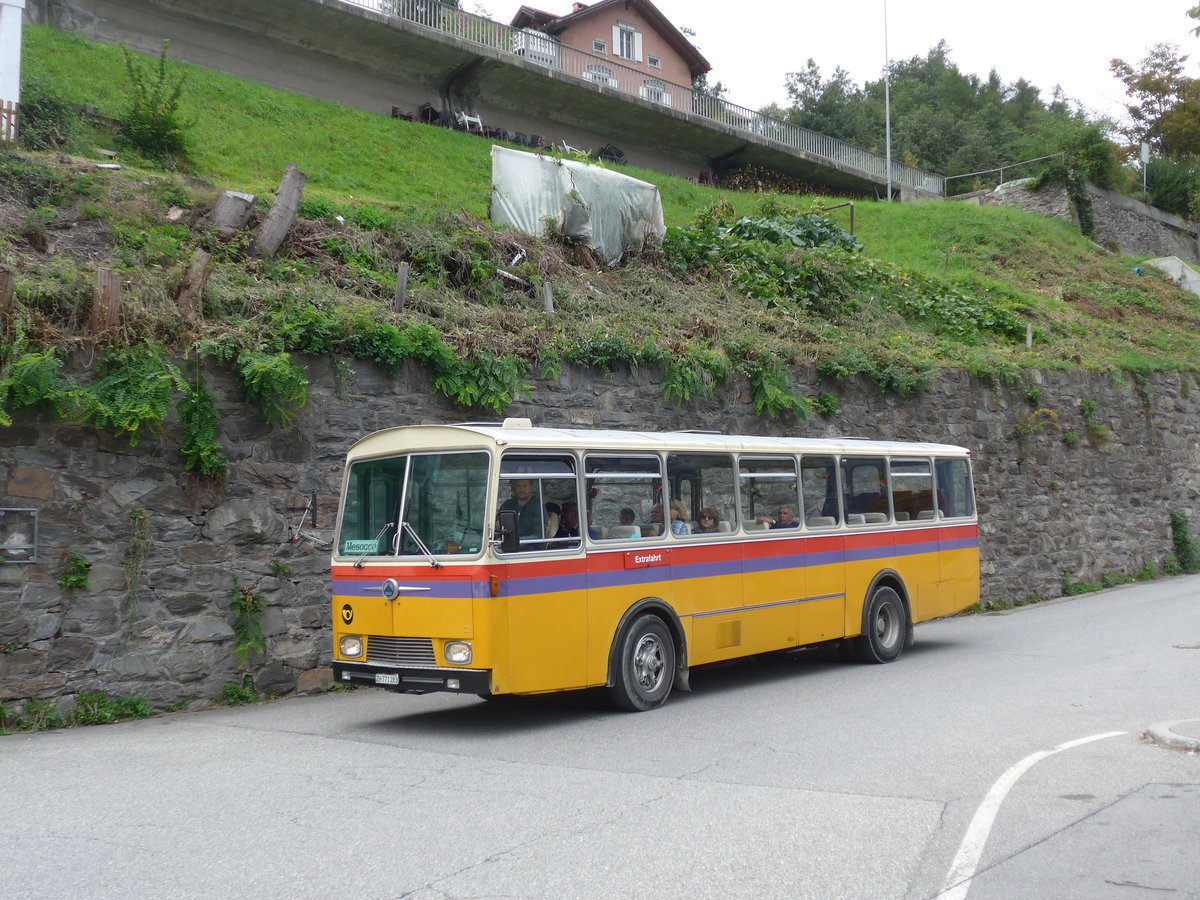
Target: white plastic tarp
column 605, row 210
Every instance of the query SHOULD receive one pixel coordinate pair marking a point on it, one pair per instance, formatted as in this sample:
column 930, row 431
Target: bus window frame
column 891, row 461
column 794, row 477
column 531, row 456
column 659, row 482
column 692, row 479
column 846, row 483
column 840, row 513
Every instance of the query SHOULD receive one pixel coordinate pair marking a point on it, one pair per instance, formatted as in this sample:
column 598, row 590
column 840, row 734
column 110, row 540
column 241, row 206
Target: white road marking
column 963, row 869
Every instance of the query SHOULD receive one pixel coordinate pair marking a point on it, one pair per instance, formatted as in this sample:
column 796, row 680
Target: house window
column 600, row 74
column 654, row 62
column 598, row 46
column 627, row 42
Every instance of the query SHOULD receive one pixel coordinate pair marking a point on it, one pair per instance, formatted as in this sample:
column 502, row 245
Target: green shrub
column 151, row 123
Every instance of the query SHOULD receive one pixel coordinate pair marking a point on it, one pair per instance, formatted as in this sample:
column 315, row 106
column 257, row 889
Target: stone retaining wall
column 1046, row 509
column 1122, row 223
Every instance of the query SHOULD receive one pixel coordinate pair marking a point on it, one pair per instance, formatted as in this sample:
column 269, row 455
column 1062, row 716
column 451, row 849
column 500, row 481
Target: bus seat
column 623, row 531
column 925, row 514
column 756, row 526
column 724, row 525
column 821, row 521
column 902, row 516
column 875, row 518
column 855, row 519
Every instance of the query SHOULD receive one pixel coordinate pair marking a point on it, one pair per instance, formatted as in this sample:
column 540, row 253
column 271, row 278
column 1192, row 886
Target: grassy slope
column 1088, row 309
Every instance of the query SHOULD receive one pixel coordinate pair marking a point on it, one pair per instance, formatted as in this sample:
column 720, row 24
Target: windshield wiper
column 412, row 532
column 366, row 553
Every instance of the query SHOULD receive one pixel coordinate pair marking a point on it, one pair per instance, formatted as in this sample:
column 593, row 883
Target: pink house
column 631, row 34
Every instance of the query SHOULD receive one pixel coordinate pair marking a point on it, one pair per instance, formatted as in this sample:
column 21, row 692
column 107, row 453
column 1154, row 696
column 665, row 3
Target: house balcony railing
column 543, row 50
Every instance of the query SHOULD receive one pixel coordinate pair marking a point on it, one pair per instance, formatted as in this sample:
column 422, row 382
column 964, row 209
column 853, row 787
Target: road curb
column 1182, row 734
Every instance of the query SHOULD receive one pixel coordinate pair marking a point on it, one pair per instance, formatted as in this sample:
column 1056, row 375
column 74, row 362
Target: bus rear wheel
column 645, row 665
column 885, row 627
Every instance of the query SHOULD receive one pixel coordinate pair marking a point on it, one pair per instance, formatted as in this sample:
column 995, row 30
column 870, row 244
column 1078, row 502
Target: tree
column 1160, row 95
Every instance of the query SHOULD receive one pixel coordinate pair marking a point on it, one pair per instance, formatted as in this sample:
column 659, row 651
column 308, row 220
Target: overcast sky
column 753, row 45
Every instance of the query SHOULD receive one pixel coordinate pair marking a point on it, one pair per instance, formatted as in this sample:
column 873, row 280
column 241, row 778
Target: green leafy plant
column 131, row 391
column 826, row 405
column 73, row 577
column 247, row 608
column 36, row 714
column 274, row 384
column 279, row 568
column 239, row 694
column 99, row 708
column 1071, row 587
column 1113, row 577
column 1070, row 438
column 772, row 392
column 152, row 122
column 198, row 443
column 694, row 374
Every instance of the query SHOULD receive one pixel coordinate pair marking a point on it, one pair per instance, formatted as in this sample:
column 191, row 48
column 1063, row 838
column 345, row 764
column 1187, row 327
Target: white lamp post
column 887, row 103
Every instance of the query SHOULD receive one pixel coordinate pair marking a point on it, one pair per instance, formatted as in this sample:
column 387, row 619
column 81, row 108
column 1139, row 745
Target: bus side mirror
column 510, row 540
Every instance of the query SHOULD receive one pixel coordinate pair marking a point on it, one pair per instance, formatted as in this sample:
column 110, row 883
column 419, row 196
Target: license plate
column 386, row 678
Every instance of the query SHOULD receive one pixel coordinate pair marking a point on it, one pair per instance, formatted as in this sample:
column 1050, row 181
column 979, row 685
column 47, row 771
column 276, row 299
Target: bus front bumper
column 413, row 680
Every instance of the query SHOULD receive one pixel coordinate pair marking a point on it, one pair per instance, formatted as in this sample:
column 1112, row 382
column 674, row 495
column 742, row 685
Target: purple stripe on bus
column 657, row 574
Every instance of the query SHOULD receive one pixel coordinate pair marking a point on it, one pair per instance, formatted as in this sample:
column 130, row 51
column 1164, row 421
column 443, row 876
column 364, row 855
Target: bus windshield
column 393, row 506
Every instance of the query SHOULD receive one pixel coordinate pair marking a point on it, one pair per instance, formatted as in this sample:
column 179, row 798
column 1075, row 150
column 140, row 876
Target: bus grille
column 405, row 651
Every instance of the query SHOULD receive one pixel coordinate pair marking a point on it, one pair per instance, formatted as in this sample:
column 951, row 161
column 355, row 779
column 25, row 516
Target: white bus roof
column 520, row 433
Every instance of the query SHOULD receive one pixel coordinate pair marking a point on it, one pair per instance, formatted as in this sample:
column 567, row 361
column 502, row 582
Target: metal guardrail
column 542, row 50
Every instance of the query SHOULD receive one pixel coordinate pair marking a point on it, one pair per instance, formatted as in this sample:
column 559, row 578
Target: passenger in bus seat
column 654, row 526
column 707, row 522
column 679, row 525
column 785, row 518
column 568, row 526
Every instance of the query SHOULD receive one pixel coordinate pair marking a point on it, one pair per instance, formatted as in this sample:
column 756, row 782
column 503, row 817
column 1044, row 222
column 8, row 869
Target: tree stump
column 274, row 228
column 232, row 211
column 106, row 303
column 8, row 284
column 191, row 289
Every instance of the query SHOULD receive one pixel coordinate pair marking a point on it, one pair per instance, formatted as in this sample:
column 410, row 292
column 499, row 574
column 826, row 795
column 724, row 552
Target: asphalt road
column 1001, row 757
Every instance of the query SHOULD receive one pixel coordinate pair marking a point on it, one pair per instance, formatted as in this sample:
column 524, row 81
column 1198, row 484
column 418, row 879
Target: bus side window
column 536, row 487
column 619, row 484
column 955, row 498
column 818, row 485
column 864, row 487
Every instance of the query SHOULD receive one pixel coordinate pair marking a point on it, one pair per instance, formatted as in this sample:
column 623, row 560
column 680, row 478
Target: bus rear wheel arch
column 643, row 664
column 886, row 628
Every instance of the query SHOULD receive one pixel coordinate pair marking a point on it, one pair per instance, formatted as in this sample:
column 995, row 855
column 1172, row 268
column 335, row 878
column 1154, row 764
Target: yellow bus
column 510, row 559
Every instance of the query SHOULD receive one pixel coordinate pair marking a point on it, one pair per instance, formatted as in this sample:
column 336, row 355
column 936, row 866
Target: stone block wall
column 1122, row 223
column 1045, row 508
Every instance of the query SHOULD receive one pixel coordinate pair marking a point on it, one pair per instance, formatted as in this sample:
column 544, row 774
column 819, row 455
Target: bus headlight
column 457, row 652
column 350, row 647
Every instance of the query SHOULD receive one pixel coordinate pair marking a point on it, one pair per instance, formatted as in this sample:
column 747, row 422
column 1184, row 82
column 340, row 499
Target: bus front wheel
column 885, row 627
column 645, row 665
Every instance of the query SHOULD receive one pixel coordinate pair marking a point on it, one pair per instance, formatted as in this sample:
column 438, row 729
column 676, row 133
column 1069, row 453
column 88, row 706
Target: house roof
column 528, row 17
